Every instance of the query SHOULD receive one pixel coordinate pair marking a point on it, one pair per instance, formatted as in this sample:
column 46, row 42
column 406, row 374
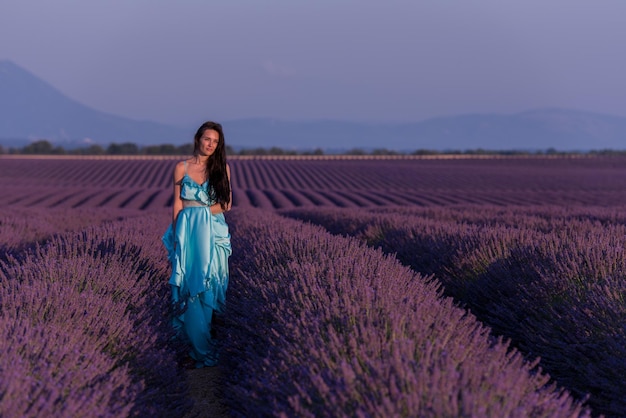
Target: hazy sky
column 186, row 61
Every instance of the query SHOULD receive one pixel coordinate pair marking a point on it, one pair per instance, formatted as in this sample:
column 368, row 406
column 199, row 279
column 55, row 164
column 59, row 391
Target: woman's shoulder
column 182, row 164
column 180, row 168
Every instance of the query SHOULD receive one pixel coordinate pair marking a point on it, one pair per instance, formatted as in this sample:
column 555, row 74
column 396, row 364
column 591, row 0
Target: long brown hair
column 215, row 169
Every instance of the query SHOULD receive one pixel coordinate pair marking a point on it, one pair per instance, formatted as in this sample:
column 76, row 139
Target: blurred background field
column 143, row 183
column 359, row 286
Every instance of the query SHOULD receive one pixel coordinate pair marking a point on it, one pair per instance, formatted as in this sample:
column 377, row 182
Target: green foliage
column 42, row 147
column 164, row 149
column 92, row 150
column 45, row 147
column 127, row 148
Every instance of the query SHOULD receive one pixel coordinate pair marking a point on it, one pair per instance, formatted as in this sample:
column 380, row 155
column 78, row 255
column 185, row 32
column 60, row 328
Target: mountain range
column 31, row 109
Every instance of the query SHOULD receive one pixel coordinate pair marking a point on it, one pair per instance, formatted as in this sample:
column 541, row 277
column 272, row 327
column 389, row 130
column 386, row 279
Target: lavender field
column 359, row 287
column 266, row 183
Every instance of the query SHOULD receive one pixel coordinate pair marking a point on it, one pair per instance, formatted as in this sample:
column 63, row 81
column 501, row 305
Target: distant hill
column 541, row 129
column 31, row 109
column 561, row 129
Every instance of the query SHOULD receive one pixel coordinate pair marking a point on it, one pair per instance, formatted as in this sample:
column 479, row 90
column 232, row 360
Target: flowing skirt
column 198, row 251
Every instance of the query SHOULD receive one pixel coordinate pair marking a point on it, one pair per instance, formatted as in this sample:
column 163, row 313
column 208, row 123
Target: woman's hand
column 217, row 208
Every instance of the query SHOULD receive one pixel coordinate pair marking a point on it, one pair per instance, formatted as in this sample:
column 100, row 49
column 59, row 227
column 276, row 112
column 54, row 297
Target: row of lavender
column 320, row 325
column 551, row 279
column 316, row 325
column 83, row 323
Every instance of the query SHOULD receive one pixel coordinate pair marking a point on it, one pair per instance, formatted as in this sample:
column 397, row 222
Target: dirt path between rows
column 203, row 389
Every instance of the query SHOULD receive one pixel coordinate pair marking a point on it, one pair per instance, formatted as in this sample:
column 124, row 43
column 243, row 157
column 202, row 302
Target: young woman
column 198, row 241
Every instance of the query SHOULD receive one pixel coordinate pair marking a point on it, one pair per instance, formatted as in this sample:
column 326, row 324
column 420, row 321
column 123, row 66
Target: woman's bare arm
column 179, row 172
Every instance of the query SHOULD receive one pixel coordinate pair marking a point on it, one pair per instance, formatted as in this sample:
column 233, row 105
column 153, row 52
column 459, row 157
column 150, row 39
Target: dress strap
column 185, row 164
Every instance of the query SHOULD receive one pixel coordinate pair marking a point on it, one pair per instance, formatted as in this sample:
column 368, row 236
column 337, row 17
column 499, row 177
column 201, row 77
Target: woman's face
column 208, row 142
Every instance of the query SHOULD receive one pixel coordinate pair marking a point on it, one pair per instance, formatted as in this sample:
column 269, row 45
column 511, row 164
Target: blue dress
column 198, row 250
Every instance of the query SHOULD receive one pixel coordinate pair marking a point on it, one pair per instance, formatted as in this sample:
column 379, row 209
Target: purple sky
column 186, row 61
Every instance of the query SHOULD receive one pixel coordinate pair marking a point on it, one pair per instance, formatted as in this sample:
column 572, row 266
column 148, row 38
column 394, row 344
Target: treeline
column 44, row 147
